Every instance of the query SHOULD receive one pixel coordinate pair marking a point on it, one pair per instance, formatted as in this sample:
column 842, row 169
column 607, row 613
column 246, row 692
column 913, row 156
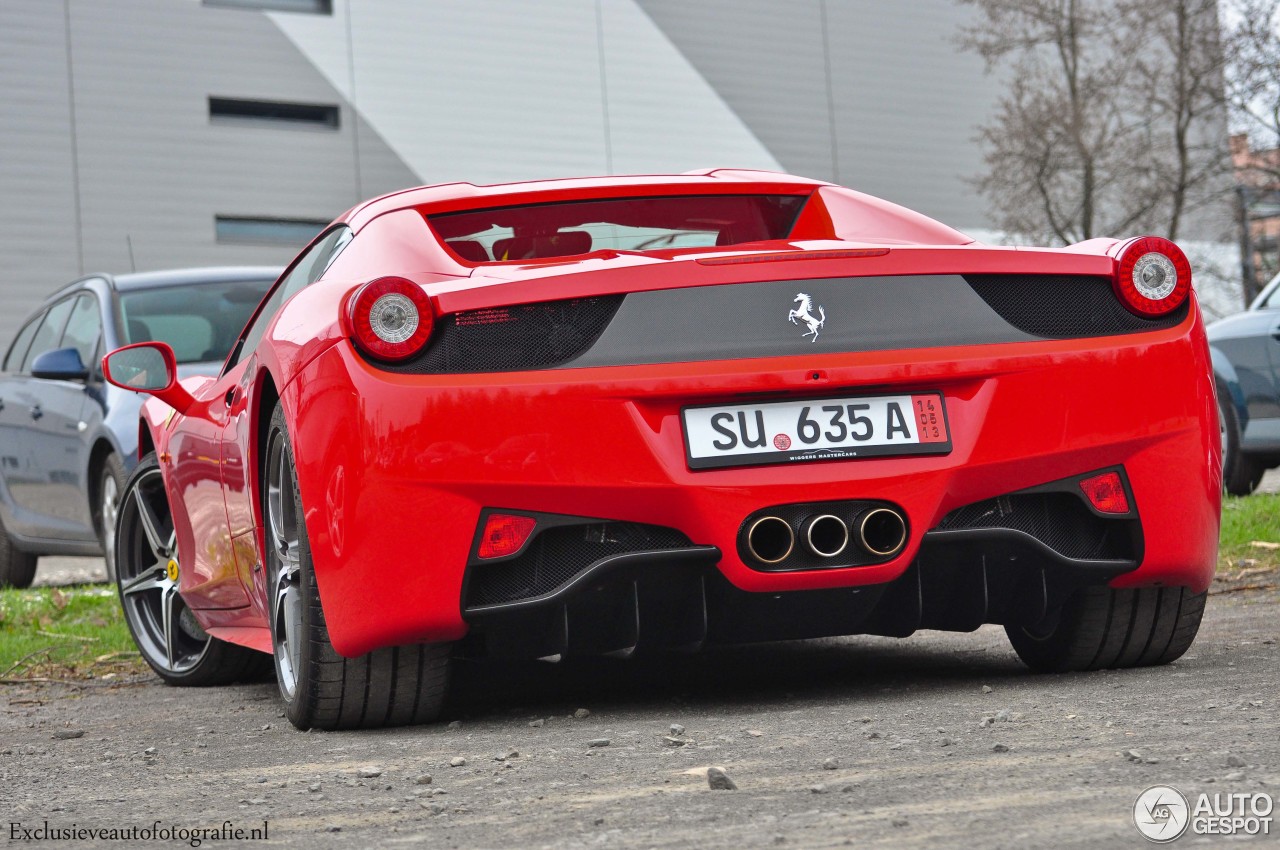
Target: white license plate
column 815, row 429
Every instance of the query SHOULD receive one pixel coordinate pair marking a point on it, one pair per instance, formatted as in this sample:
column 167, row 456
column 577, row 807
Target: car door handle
column 36, row 412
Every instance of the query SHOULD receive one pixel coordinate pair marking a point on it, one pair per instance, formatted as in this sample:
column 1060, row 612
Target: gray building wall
column 106, row 139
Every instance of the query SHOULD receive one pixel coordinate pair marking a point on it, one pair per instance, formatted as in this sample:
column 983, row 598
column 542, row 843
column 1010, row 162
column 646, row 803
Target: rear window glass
column 199, row 322
column 542, row 231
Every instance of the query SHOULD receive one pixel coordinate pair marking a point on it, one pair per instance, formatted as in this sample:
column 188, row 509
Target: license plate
column 815, row 429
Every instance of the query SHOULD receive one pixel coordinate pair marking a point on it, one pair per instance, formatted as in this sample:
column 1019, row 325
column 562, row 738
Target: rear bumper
column 395, row 470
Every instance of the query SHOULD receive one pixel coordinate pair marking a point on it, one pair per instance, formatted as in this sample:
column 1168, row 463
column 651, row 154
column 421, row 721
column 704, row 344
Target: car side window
column 50, row 331
column 1273, row 300
column 84, row 327
column 304, row 273
column 17, row 351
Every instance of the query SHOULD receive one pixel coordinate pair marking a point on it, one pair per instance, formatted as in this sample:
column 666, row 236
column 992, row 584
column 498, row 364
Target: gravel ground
column 939, row 740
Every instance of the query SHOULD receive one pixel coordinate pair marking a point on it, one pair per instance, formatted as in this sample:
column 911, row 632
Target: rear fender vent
column 513, row 339
column 1064, row 306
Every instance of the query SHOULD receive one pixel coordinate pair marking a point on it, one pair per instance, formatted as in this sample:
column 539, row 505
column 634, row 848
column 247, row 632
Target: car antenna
column 129, row 242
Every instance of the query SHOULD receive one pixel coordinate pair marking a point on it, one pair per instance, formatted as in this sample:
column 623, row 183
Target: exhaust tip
column 826, row 535
column 882, row 531
column 770, row 539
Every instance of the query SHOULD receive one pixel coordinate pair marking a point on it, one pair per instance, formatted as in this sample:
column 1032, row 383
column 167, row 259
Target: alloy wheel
column 147, row 572
column 109, row 510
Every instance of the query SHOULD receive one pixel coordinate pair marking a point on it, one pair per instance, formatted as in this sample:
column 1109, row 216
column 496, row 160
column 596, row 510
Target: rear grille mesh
column 1061, row 521
column 512, row 339
column 1064, row 306
column 559, row 554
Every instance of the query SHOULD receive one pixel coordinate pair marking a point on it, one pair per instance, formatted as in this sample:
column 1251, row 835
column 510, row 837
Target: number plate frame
column 852, row 451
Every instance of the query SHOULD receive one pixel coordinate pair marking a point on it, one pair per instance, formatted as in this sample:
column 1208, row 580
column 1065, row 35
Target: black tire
column 111, row 480
column 17, row 568
column 1100, row 628
column 176, row 647
column 1241, row 473
column 393, row 686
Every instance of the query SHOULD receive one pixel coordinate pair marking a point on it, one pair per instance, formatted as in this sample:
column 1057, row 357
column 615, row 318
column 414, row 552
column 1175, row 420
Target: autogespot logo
column 1161, row 814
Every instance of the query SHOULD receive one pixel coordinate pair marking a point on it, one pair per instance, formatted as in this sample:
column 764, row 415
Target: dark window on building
column 267, row 231
column 314, row 7
column 274, row 111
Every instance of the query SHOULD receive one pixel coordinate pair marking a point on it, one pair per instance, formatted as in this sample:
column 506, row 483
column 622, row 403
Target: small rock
column 818, row 789
column 830, row 764
column 677, row 729
column 1234, row 776
column 265, row 727
column 872, row 736
column 1151, row 761
column 370, row 772
column 423, row 779
column 1003, row 715
column 847, row 789
column 333, row 828
column 901, row 822
column 457, row 761
column 674, row 742
column 945, row 742
column 454, row 724
column 537, row 724
column 986, row 689
column 69, row 734
column 719, row 780
column 754, row 733
column 598, row 742
column 1000, row 748
column 313, row 787
column 149, row 751
column 986, row 721
column 1234, row 760
column 500, row 757
column 582, row 714
column 865, row 720
column 1132, row 755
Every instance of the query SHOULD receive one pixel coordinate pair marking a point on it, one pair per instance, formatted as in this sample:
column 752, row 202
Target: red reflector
column 1106, row 493
column 504, row 534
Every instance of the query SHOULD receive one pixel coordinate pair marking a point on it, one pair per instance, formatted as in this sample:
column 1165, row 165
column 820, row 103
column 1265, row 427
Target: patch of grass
column 1247, row 522
column 64, row 633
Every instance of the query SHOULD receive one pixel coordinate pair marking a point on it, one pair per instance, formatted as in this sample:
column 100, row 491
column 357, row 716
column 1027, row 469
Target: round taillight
column 391, row 318
column 1153, row 277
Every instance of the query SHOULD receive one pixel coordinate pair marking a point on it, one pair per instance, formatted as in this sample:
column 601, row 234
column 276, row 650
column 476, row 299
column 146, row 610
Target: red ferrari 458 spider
column 628, row 414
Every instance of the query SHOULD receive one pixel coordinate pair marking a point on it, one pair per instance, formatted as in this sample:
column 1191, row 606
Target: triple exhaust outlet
column 878, row 532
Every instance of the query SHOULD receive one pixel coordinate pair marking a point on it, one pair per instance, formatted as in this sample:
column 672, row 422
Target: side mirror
column 61, row 364
column 151, row 368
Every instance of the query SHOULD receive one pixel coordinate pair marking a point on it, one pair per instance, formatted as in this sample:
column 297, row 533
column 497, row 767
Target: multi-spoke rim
column 109, row 509
column 147, row 570
column 1222, row 431
column 283, row 563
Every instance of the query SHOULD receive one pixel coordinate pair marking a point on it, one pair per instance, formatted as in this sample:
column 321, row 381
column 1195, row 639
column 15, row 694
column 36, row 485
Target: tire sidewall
column 313, row 636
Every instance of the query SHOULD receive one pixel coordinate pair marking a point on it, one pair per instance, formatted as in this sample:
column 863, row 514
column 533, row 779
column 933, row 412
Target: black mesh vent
column 1064, row 306
column 513, row 339
column 558, row 554
column 1059, row 520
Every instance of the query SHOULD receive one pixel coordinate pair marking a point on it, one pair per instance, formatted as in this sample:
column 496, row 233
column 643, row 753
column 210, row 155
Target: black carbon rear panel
column 1061, row 521
column 1064, row 306
column 559, row 554
column 746, row 320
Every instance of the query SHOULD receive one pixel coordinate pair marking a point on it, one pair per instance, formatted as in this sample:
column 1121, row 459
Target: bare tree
column 1253, row 75
column 1107, row 126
